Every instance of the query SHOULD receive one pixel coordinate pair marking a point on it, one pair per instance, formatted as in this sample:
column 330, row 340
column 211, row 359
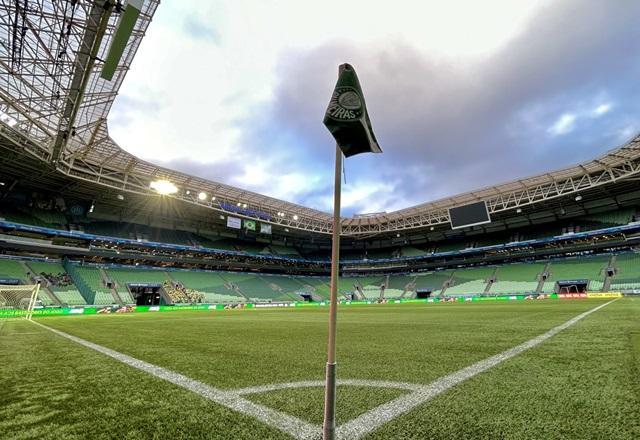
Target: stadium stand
column 516, row 278
column 588, row 268
column 284, row 250
column 123, row 277
column 318, row 286
column 434, row 281
column 59, row 282
column 254, row 288
column 470, row 281
column 210, row 284
column 91, row 277
column 398, row 285
column 410, row 251
column 627, row 272
column 11, row 269
column 284, row 284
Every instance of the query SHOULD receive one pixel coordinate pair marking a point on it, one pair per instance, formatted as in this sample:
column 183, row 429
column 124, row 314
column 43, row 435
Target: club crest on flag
column 345, row 104
column 346, row 117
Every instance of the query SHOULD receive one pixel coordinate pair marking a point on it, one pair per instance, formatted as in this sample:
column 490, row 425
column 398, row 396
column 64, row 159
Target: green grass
column 307, row 403
column 583, row 383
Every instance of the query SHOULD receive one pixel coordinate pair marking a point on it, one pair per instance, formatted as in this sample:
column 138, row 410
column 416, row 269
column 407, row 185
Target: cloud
column 448, row 126
column 565, row 124
column 601, row 109
column 451, row 116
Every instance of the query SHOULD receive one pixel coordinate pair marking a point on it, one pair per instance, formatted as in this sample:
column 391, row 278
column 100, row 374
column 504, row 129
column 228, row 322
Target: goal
column 18, row 301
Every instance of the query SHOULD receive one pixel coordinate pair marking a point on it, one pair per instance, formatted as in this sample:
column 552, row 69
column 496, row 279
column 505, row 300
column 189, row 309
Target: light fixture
column 578, row 198
column 432, row 228
column 163, row 187
column 213, row 198
column 202, row 196
column 239, row 204
column 295, row 217
column 519, row 210
column 120, row 197
column 244, row 205
column 188, row 192
column 92, row 207
column 398, row 235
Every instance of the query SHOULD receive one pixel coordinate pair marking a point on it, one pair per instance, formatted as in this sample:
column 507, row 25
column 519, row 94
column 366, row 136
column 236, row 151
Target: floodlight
column 578, row 198
column 202, row 196
column 163, row 187
column 213, row 198
column 398, row 235
column 519, row 210
column 432, row 228
column 244, row 205
column 188, row 192
column 120, row 197
column 295, row 217
column 239, row 204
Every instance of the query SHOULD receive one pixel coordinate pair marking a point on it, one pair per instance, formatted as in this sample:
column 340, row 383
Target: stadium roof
column 55, row 107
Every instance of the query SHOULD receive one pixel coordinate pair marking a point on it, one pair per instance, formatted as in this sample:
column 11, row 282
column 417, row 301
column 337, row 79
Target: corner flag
column 348, row 121
column 347, row 118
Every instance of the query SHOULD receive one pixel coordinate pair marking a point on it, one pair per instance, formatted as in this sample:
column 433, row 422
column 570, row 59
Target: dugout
column 572, row 286
column 423, row 293
column 307, row 297
column 146, row 294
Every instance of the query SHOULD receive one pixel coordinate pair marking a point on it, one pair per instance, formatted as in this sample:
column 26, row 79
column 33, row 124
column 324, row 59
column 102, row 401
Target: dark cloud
column 447, row 127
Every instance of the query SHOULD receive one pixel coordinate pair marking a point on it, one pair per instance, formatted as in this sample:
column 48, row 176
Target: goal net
column 18, row 301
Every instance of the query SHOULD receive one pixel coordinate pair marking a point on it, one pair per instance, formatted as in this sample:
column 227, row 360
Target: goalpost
column 18, row 301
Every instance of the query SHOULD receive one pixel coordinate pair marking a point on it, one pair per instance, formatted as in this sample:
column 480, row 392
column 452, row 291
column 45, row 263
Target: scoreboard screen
column 469, row 215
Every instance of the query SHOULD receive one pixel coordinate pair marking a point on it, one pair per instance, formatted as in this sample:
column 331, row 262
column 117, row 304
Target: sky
column 461, row 94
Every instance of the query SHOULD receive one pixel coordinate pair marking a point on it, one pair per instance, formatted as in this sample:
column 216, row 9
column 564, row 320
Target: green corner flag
column 347, row 118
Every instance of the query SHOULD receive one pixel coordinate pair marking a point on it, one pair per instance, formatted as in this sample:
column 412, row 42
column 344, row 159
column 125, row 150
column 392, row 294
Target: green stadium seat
column 516, row 278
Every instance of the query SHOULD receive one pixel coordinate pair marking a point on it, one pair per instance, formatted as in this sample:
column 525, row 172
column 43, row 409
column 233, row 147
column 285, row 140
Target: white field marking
column 354, row 429
column 372, row 420
column 285, row 422
column 320, row 383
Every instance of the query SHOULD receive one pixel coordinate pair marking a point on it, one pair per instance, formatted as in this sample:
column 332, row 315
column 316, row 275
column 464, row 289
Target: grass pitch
column 582, row 383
